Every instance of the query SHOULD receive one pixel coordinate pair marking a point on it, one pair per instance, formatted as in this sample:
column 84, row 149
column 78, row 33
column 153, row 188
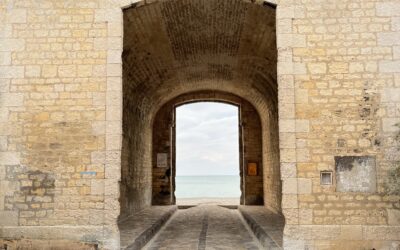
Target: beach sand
column 208, row 201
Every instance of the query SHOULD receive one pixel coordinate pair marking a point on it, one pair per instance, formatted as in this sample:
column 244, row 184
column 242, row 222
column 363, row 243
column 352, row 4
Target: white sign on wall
column 162, row 160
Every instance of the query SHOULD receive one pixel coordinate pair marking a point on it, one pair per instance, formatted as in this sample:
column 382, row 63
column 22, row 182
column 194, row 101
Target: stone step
column 266, row 225
column 140, row 228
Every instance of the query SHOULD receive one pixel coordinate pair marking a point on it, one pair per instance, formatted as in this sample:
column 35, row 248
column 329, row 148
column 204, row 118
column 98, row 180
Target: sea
column 209, row 186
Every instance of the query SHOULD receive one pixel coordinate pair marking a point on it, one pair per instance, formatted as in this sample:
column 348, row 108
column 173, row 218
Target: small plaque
column 252, row 169
column 162, row 160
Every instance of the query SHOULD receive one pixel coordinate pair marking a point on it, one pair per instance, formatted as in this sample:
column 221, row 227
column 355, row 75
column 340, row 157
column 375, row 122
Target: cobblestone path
column 204, row 227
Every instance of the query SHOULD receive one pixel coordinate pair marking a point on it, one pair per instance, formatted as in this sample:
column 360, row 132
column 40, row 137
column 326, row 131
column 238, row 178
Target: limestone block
column 388, row 124
column 289, row 201
column 98, row 157
column 390, row 95
column 114, row 84
column 285, row 81
column 5, row 58
column 286, row 111
column 11, row 44
column 289, row 186
column 317, row 68
column 111, row 188
column 285, row 54
column 303, row 155
column 291, row 216
column 291, row 40
column 113, row 142
column 9, row 158
column 113, row 113
column 389, row 66
column 3, row 113
column 114, row 15
column 115, row 29
column 287, row 125
column 98, row 127
column 299, row 69
column 293, row 244
column 16, row 16
column 287, row 155
column 5, row 31
column 1, row 202
column 100, row 15
column 114, row 98
column 99, row 99
column 305, row 216
column 114, row 43
column 287, row 140
column 301, row 96
column 113, row 157
column 389, row 8
column 114, row 69
column 67, row 71
column 381, row 232
column 84, row 70
column 304, row 186
column 8, row 218
column 11, row 99
column 356, row 67
column 338, row 67
column 97, row 187
column 99, row 70
column 388, row 38
column 32, row 71
column 3, row 143
column 114, row 128
column 351, row 232
column 396, row 52
column 288, row 170
column 49, row 71
column 396, row 23
column 285, row 68
column 114, row 56
column 100, row 43
column 393, row 217
column 286, row 96
column 4, row 85
column 285, row 12
column 284, row 26
column 302, row 126
column 11, row 72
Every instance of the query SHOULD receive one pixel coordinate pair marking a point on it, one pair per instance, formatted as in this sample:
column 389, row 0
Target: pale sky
column 207, row 139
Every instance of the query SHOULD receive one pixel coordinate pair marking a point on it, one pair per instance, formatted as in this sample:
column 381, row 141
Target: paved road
column 204, row 227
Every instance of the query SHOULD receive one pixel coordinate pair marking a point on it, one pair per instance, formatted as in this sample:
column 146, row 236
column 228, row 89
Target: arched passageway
column 250, row 147
column 182, row 48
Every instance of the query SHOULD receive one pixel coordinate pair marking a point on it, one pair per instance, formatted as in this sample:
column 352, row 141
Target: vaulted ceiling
column 171, row 46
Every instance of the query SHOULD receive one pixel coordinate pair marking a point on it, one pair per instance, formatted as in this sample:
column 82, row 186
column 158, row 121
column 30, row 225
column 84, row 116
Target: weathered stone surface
column 355, row 174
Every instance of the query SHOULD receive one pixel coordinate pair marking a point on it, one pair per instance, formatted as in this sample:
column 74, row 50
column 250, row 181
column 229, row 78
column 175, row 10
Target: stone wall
column 339, row 62
column 61, row 98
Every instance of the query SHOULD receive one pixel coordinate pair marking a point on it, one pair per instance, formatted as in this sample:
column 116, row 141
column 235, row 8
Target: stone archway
column 250, row 147
column 209, row 46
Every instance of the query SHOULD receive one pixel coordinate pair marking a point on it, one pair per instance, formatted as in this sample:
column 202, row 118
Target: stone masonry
column 81, row 83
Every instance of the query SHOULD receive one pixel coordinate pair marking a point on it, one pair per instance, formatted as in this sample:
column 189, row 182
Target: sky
column 207, row 139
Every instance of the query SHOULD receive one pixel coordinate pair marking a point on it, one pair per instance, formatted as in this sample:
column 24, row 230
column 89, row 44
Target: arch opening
column 249, row 147
column 207, row 153
column 213, row 50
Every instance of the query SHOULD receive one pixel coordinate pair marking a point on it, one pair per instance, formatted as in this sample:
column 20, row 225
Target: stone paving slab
column 138, row 229
column 205, row 227
column 266, row 225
